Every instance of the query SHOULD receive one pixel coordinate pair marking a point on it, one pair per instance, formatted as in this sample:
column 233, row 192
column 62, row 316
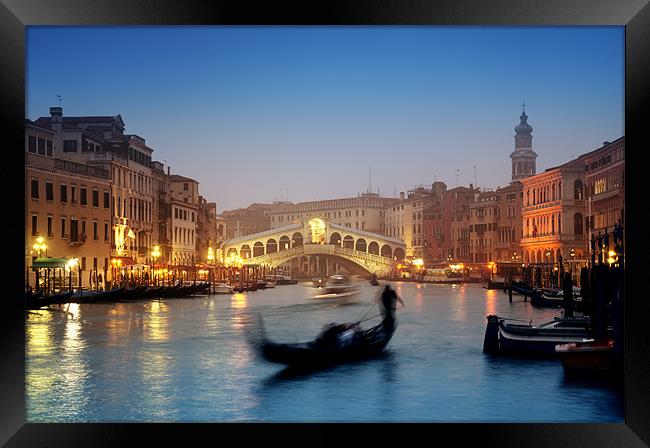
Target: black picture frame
column 15, row 15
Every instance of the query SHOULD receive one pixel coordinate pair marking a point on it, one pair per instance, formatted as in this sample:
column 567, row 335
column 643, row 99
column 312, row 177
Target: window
column 49, row 227
column 34, row 225
column 95, row 231
column 106, row 199
column 83, row 263
column 175, row 213
column 41, row 146
column 49, row 191
column 83, row 198
column 83, row 229
column 69, row 146
column 105, row 231
column 31, row 143
column 73, row 194
column 192, row 216
column 74, row 229
column 186, row 186
column 95, row 198
column 63, row 234
column 64, row 193
column 34, row 189
column 49, row 148
column 86, row 147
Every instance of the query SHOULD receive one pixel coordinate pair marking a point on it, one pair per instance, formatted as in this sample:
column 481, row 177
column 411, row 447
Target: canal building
column 246, row 221
column 605, row 187
column 67, row 204
column 100, row 141
column 184, row 205
column 364, row 212
column 553, row 214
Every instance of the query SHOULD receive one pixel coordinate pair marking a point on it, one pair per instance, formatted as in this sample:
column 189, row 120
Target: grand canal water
column 188, row 360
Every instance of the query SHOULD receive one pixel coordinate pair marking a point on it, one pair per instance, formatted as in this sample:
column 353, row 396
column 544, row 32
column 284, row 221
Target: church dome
column 523, row 127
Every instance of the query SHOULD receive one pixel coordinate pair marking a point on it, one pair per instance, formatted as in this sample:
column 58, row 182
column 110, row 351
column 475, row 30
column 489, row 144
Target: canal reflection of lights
column 491, row 302
column 39, row 337
column 239, row 301
column 155, row 326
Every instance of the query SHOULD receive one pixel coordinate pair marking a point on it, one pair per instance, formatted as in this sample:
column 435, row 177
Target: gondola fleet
column 38, row 300
column 584, row 343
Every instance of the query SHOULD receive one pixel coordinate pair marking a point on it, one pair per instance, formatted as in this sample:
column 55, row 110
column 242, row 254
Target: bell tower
column 523, row 157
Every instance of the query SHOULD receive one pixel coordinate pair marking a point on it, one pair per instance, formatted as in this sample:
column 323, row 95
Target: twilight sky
column 256, row 114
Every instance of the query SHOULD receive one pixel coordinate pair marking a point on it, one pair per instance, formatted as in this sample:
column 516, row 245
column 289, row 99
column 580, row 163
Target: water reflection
column 156, row 326
column 238, row 301
column 189, row 360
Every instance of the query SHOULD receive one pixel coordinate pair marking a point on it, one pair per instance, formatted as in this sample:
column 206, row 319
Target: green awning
column 49, row 262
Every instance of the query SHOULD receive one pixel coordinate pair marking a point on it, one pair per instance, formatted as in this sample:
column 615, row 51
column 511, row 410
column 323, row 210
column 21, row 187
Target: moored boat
column 502, row 336
column 222, row 288
column 587, row 357
column 280, row 279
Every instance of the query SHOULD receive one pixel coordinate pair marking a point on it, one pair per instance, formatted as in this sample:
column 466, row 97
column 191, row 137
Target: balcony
column 79, row 240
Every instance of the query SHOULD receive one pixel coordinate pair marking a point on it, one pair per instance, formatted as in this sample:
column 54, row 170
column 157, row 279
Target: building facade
column 67, row 204
column 184, row 205
column 605, row 187
column 553, row 214
column 246, row 221
column 365, row 212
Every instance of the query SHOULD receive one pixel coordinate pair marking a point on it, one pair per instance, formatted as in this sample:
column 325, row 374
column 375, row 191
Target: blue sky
column 254, row 113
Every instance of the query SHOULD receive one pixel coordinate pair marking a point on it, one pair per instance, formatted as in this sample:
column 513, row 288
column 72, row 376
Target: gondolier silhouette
column 389, row 300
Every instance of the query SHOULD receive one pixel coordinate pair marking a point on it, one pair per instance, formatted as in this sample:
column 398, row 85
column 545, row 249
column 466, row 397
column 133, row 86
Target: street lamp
column 155, row 253
column 40, row 246
column 210, row 263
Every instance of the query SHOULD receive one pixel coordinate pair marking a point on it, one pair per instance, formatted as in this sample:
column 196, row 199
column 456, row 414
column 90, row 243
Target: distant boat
column 338, row 287
column 280, row 279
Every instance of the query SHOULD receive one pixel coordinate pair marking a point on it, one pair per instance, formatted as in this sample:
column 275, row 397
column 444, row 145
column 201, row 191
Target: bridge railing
column 351, row 253
column 276, row 256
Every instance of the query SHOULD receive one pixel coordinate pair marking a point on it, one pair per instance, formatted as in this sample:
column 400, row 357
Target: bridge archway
column 245, row 252
column 360, row 245
column 258, row 249
column 386, row 251
column 348, row 242
column 399, row 254
column 335, row 238
column 232, row 252
column 271, row 246
column 296, row 240
column 284, row 243
column 373, row 248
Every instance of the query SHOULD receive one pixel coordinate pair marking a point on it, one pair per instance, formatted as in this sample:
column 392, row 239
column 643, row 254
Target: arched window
column 335, row 238
column 348, row 242
column 296, row 240
column 373, row 248
column 360, row 245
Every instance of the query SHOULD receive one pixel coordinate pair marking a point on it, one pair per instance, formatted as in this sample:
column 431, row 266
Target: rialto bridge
column 318, row 247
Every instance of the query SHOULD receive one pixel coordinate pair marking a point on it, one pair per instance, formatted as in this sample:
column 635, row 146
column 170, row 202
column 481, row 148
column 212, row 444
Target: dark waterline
column 188, row 360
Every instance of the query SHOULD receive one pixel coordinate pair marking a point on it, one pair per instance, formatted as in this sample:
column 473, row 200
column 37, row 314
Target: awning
column 49, row 262
column 126, row 261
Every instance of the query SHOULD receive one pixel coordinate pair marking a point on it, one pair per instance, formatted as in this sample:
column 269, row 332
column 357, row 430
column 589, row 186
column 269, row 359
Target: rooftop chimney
column 401, row 195
column 168, row 173
column 605, row 143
